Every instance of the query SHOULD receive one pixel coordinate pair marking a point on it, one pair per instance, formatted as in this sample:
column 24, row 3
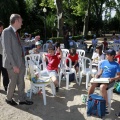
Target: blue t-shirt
column 109, row 69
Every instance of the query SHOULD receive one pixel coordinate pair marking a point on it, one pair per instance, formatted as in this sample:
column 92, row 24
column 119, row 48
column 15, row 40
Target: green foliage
column 57, row 39
column 29, row 5
column 75, row 38
column 7, row 7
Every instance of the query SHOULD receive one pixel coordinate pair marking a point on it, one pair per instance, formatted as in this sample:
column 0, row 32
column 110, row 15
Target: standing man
column 13, row 60
column 2, row 69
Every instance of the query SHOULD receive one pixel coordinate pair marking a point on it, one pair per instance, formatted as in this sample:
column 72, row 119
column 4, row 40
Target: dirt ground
column 66, row 105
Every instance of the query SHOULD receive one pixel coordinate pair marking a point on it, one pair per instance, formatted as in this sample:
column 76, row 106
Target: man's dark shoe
column 26, row 103
column 12, row 102
column 57, row 89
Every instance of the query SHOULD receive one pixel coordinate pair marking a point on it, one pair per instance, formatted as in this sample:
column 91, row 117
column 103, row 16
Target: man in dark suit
column 13, row 60
column 2, row 69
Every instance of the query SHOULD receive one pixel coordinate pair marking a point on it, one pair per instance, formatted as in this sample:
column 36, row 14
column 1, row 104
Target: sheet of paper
column 99, row 80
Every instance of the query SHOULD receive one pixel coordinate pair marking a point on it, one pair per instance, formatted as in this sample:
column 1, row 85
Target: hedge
column 75, row 38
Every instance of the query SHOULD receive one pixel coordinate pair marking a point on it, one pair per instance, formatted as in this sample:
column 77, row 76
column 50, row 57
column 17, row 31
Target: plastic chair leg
column 80, row 77
column 67, row 81
column 87, row 80
column 53, row 88
column 60, row 75
column 76, row 77
column 44, row 94
column 31, row 91
column 109, row 94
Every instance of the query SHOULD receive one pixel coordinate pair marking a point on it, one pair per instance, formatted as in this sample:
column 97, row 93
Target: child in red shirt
column 74, row 58
column 105, row 44
column 118, row 56
column 52, row 66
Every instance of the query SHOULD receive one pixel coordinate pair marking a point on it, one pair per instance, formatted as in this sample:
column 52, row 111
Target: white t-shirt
column 96, row 58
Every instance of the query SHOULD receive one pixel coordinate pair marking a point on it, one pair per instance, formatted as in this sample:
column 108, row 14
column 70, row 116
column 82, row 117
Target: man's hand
column 16, row 69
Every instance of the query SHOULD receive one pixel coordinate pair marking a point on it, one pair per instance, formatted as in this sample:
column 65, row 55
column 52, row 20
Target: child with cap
column 94, row 43
column 38, row 47
column 108, row 69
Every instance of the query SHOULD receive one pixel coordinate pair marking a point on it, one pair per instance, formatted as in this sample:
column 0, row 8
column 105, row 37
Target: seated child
column 108, row 69
column 105, row 44
column 98, row 55
column 74, row 58
column 38, row 48
column 118, row 56
column 52, row 66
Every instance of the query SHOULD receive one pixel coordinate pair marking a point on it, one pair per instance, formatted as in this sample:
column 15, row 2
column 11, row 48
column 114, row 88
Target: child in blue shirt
column 108, row 69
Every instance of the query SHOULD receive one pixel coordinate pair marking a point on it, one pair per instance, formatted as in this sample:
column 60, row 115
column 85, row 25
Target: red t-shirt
column 118, row 58
column 73, row 58
column 105, row 44
column 57, row 53
column 53, row 62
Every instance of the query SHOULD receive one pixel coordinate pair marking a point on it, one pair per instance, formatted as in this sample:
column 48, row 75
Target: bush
column 57, row 39
column 75, row 38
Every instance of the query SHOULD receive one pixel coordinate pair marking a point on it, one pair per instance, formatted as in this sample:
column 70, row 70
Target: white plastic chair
column 43, row 64
column 63, row 68
column 41, row 85
column 62, row 46
column 31, row 52
column 65, row 52
column 45, row 47
column 33, row 57
column 81, row 52
column 85, row 69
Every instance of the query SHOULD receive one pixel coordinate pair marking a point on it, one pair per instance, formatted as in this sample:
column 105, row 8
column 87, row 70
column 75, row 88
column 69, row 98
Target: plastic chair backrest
column 81, row 52
column 63, row 64
column 62, row 46
column 43, row 61
column 33, row 57
column 85, row 63
column 65, row 52
column 45, row 47
column 31, row 52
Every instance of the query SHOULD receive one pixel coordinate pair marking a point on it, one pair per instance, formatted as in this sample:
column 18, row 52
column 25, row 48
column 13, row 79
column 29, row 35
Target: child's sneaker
column 107, row 112
column 84, row 98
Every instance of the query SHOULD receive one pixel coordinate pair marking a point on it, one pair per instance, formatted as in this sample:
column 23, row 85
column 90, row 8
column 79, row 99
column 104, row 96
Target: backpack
column 96, row 106
column 117, row 88
column 71, row 76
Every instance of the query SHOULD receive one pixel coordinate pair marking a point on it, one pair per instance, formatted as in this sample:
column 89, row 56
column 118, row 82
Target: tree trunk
column 59, row 18
column 86, row 19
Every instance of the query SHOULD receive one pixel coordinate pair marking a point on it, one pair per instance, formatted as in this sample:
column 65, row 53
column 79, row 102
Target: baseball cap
column 111, row 52
column 38, row 43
